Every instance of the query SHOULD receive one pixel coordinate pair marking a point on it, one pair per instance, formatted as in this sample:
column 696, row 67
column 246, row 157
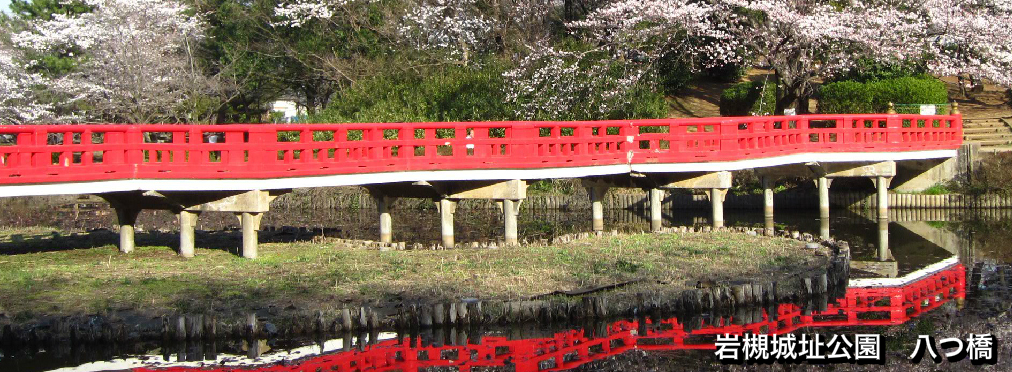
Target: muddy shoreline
column 811, row 285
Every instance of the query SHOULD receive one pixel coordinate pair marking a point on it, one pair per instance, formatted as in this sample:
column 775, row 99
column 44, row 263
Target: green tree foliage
column 52, row 64
column 45, row 9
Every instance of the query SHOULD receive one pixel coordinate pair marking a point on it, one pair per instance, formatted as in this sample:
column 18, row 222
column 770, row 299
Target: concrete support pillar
column 824, row 228
column 187, row 225
column 882, row 186
column 823, row 184
column 510, row 209
column 883, row 240
column 386, row 222
column 767, row 183
column 767, row 197
column 127, row 217
column 447, row 208
column 250, row 225
column 717, row 205
column 656, row 218
column 597, row 206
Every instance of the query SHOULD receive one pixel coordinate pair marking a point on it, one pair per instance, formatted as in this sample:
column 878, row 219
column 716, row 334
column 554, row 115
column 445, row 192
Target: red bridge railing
column 69, row 153
column 569, row 349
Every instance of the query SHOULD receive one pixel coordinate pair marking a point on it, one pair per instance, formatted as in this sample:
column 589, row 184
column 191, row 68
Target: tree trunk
column 310, row 99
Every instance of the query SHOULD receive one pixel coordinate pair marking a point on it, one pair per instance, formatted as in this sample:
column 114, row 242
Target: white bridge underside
column 98, row 187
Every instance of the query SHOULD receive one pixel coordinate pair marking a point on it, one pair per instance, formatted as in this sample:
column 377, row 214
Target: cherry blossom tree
column 970, row 37
column 801, row 40
column 139, row 65
column 455, row 26
column 18, row 104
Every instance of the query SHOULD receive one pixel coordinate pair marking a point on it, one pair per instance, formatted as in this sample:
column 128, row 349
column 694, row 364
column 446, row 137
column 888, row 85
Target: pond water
column 950, row 264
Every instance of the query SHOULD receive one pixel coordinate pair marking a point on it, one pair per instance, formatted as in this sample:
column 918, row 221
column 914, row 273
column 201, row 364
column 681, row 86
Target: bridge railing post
column 893, row 127
column 259, row 144
column 728, row 134
column 40, row 156
column 25, row 139
column 196, row 156
column 132, row 141
column 236, row 148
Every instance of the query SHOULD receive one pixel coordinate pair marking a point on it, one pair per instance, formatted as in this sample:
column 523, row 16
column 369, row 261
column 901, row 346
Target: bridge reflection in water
column 867, row 302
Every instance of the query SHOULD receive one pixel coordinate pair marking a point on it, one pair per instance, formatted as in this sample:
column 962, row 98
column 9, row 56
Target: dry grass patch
column 321, row 275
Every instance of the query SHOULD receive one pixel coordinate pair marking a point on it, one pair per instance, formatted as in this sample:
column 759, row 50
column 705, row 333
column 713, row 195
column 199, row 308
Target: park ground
column 324, row 274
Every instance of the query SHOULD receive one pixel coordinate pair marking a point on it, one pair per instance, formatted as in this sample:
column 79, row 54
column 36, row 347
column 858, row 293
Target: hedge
column 743, row 99
column 874, row 96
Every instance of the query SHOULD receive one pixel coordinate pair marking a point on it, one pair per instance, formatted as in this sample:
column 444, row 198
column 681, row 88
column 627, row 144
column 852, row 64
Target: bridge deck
column 72, row 159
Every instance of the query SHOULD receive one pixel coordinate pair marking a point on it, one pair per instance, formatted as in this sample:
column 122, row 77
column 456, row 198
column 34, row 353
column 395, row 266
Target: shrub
column 875, row 96
column 846, row 97
column 449, row 94
column 743, row 99
column 908, row 90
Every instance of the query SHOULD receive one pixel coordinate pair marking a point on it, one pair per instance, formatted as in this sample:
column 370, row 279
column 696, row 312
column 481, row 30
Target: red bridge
column 191, row 169
column 881, row 306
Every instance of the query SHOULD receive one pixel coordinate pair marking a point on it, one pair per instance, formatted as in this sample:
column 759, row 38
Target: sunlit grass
column 324, row 274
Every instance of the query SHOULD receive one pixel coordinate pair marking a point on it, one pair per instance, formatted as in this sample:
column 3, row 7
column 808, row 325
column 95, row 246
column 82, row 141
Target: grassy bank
column 324, row 274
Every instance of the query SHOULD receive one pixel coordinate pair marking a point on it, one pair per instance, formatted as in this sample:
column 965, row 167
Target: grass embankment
column 325, row 275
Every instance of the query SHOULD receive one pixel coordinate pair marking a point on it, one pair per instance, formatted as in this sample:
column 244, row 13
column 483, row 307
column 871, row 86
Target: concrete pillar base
column 386, row 222
column 882, row 189
column 823, row 184
column 126, row 217
column 597, row 206
column 250, row 225
column 717, row 197
column 656, row 217
column 767, row 183
column 447, row 208
column 187, row 226
column 883, row 240
column 510, row 210
column 824, row 228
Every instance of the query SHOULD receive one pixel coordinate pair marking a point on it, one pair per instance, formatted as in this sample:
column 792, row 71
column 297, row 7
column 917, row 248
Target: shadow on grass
column 229, row 240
